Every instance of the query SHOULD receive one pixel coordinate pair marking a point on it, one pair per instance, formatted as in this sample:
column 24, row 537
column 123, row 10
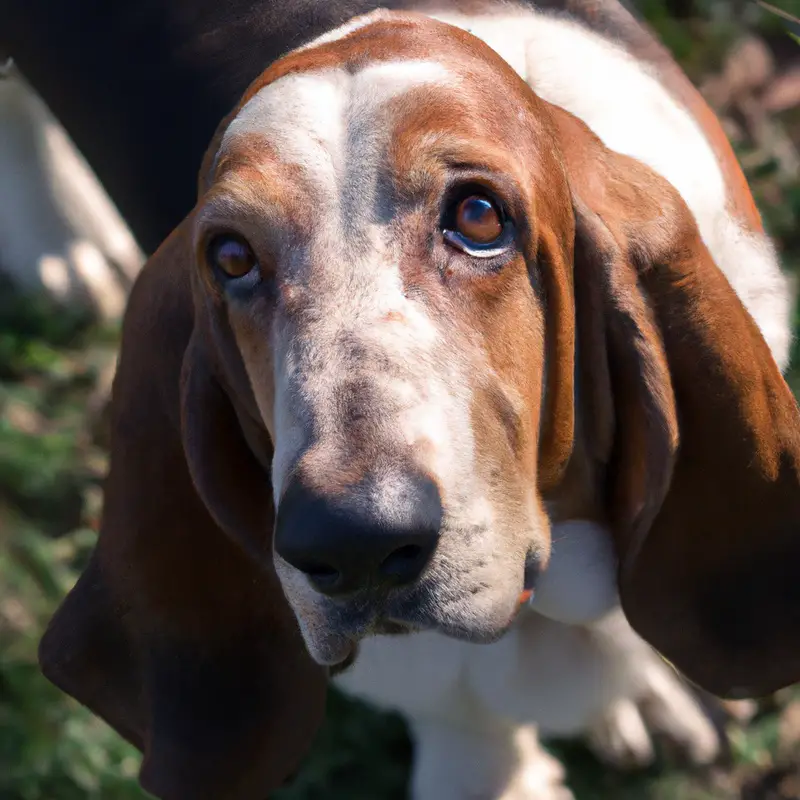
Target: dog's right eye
column 231, row 255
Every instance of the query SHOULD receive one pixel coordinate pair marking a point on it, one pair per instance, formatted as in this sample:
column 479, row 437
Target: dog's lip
column 352, row 620
column 338, row 651
column 345, row 663
column 333, row 650
column 391, row 626
column 533, row 568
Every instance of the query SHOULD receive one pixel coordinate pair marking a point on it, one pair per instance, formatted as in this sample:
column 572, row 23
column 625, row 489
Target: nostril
column 404, row 564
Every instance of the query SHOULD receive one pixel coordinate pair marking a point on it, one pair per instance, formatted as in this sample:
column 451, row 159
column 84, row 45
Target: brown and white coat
column 600, row 399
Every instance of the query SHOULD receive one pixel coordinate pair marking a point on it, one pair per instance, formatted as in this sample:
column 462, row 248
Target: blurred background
column 66, row 264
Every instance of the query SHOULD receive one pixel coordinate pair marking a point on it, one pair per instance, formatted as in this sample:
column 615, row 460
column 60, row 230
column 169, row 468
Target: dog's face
column 373, row 230
column 373, row 301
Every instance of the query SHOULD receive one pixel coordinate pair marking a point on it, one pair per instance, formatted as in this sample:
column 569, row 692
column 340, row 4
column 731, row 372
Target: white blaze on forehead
column 309, row 118
column 333, row 125
column 300, row 116
column 349, row 27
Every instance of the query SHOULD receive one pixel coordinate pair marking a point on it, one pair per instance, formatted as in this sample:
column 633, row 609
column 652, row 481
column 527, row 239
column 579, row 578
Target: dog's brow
column 246, row 210
column 469, row 153
column 316, row 100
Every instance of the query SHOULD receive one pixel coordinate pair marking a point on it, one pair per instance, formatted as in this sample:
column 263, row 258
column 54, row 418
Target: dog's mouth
column 472, row 611
column 337, row 646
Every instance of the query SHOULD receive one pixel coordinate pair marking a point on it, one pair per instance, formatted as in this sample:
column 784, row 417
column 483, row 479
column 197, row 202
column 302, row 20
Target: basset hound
column 470, row 307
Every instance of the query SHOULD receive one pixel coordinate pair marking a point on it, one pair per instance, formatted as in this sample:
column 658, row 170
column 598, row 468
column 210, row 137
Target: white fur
column 329, row 124
column 306, row 116
column 334, row 126
column 625, row 105
column 345, row 30
column 579, row 584
column 469, row 705
column 471, row 708
column 59, row 231
column 493, row 760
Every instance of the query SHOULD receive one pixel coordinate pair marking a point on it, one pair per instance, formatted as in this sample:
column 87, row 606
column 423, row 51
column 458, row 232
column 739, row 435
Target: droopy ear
column 704, row 462
column 558, row 413
column 174, row 635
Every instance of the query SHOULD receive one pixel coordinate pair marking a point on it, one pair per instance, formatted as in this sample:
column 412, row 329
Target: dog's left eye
column 231, row 254
column 477, row 226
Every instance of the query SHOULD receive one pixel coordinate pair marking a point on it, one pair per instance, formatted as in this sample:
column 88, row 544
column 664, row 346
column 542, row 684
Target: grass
column 51, row 466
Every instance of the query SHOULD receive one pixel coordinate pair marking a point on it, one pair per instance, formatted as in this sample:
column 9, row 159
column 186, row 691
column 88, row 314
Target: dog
column 446, row 303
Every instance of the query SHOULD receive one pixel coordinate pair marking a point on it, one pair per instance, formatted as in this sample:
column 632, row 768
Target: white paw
column 491, row 762
column 665, row 710
column 620, row 737
column 539, row 776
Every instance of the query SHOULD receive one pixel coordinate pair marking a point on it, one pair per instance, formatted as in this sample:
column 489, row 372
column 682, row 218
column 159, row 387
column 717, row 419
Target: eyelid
column 463, row 189
column 225, row 214
column 501, row 189
column 496, row 248
column 457, row 241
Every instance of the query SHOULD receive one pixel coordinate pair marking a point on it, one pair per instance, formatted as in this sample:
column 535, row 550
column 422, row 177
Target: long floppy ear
column 176, row 636
column 558, row 414
column 704, row 463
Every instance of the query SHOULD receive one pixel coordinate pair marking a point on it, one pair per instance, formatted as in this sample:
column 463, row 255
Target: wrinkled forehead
column 412, row 88
column 316, row 119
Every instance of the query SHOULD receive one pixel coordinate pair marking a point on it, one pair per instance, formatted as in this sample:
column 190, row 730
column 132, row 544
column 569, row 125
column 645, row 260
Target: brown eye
column 231, row 254
column 478, row 220
column 477, row 226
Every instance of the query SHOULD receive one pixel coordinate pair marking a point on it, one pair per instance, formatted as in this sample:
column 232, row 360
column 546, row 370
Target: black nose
column 345, row 543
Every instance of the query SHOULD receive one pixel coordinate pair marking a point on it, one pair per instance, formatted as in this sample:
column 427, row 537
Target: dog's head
column 385, row 240
column 431, row 305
